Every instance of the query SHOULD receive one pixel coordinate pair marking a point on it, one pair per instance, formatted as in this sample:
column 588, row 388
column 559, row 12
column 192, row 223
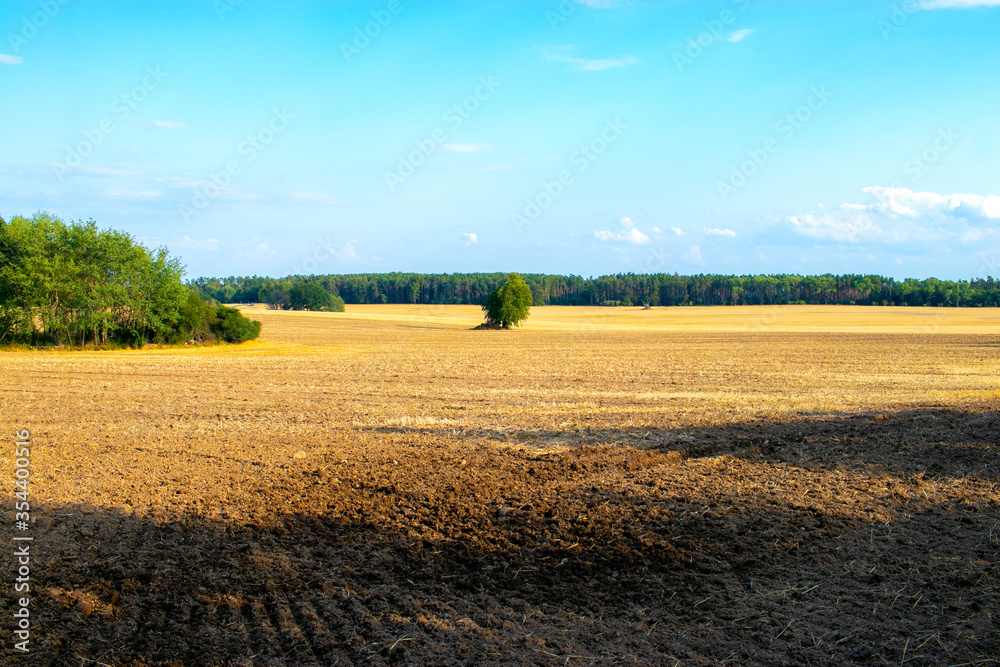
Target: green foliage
column 232, row 326
column 195, row 320
column 309, row 296
column 509, row 304
column 75, row 284
column 294, row 293
column 658, row 289
column 274, row 295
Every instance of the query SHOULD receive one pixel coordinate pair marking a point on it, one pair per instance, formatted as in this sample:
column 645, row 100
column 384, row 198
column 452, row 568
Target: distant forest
column 627, row 289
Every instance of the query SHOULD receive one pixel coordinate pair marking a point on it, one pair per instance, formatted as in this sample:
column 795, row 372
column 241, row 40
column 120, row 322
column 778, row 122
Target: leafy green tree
column 195, row 319
column 509, row 304
column 309, row 296
column 233, row 327
column 75, row 284
column 275, row 296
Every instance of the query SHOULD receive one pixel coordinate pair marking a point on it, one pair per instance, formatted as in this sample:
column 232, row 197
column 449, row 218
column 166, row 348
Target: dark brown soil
column 864, row 538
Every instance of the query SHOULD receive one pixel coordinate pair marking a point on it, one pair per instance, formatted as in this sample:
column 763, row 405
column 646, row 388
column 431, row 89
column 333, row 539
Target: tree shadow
column 937, row 442
column 646, row 554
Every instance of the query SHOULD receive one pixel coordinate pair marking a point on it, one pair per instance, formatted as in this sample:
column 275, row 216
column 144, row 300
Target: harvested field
column 702, row 486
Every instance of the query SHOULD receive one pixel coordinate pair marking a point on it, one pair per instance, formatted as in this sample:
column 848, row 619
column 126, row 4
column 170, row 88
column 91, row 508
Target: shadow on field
column 935, row 442
column 595, row 555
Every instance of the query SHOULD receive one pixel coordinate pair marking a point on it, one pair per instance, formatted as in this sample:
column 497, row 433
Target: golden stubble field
column 784, row 485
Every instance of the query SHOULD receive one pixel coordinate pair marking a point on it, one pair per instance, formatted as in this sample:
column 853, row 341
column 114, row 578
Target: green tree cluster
column 298, row 295
column 75, row 284
column 629, row 289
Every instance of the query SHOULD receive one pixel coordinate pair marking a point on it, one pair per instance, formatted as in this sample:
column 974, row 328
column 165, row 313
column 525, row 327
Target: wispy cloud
column 496, row 167
column 315, row 198
column 561, row 54
column 10, row 60
column 629, row 234
column 678, row 231
column 899, row 215
column 259, row 251
column 693, row 255
column 470, row 238
column 465, row 148
column 188, row 243
column 737, row 36
column 122, row 193
column 958, row 4
column 103, row 171
column 348, row 253
column 168, row 124
column 601, row 4
column 713, row 231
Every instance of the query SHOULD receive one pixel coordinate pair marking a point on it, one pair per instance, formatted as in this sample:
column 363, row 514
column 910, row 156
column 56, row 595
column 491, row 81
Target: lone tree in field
column 508, row 305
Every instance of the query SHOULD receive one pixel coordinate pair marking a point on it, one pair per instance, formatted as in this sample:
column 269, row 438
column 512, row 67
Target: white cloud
column 738, row 35
column 693, row 255
column 844, row 228
column 470, row 238
column 655, row 230
column 899, row 214
column 103, row 171
column 465, row 148
column 629, row 234
column 348, row 253
column 561, row 54
column 958, row 4
column 706, row 39
column 197, row 244
column 728, row 233
column 905, row 202
column 168, row 124
column 134, row 194
column 11, row 60
column 259, row 251
column 315, row 198
column 678, row 231
column 600, row 4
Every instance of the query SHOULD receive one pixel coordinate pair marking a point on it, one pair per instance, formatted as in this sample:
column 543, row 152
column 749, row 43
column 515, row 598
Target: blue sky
column 585, row 137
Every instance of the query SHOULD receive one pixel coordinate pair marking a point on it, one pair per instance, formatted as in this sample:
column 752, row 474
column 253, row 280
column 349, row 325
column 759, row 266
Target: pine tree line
column 626, row 289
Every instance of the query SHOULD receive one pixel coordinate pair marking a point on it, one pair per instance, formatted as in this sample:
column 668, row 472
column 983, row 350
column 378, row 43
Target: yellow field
column 855, row 319
column 387, row 485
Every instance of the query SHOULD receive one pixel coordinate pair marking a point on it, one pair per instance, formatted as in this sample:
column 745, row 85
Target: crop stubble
column 389, row 487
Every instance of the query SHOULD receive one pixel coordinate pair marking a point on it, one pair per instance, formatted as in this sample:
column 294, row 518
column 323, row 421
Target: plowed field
column 774, row 486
